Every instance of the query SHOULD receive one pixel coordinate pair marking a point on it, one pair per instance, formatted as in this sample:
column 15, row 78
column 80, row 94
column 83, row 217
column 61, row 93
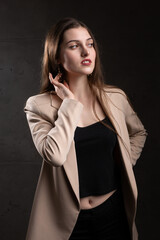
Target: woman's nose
column 85, row 52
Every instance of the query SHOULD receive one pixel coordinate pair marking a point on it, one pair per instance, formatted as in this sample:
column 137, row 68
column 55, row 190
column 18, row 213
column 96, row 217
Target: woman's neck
column 80, row 88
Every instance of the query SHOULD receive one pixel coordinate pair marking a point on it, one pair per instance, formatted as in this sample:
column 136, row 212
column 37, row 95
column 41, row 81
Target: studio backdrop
column 129, row 50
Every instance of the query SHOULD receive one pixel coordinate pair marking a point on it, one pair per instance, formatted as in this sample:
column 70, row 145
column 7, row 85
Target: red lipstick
column 86, row 62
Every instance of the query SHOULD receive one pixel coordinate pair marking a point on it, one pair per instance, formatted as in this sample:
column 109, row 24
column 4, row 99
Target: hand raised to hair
column 62, row 89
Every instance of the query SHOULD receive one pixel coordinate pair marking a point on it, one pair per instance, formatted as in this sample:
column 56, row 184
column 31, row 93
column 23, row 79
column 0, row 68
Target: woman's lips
column 86, row 62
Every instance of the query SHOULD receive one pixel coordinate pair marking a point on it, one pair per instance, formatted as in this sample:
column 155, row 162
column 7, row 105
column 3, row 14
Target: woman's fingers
column 62, row 89
column 50, row 77
column 54, row 80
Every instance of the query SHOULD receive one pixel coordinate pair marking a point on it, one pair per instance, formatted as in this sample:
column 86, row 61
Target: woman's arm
column 53, row 139
column 136, row 130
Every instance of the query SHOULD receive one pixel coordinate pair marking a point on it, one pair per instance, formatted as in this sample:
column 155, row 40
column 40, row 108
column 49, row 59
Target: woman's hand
column 62, row 89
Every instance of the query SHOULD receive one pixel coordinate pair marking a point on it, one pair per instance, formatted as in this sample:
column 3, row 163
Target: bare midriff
column 94, row 201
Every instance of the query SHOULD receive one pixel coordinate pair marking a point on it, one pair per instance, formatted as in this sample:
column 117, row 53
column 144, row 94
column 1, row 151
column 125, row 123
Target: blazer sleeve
column 137, row 132
column 53, row 139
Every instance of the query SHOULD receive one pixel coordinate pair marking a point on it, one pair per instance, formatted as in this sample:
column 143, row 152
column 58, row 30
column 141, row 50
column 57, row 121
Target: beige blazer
column 52, row 124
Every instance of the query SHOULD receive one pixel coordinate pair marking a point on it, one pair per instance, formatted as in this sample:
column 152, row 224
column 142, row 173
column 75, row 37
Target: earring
column 59, row 71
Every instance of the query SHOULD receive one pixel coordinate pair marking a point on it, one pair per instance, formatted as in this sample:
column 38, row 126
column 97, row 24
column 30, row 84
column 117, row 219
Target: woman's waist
column 93, row 201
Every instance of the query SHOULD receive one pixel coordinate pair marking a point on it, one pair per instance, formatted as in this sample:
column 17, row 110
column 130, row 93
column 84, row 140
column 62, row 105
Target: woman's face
column 77, row 54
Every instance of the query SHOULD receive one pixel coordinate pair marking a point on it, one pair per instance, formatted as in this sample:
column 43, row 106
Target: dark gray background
column 127, row 37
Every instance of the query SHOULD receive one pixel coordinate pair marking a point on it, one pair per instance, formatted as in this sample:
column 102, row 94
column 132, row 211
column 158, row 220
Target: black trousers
column 107, row 221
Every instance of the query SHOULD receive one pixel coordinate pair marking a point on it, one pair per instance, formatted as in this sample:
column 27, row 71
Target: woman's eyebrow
column 78, row 40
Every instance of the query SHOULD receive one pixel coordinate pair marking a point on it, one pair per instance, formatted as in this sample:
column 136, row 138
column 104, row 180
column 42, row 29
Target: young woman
column 89, row 137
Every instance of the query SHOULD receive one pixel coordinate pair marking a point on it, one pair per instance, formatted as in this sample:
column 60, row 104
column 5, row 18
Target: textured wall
column 129, row 50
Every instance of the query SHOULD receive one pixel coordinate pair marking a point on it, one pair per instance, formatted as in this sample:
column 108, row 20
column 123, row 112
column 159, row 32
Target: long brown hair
column 52, row 46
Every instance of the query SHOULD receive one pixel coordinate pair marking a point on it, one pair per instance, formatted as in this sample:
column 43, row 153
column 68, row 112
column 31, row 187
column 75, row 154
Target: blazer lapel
column 118, row 122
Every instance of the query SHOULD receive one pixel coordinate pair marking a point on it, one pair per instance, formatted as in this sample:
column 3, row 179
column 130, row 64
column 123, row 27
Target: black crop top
column 97, row 169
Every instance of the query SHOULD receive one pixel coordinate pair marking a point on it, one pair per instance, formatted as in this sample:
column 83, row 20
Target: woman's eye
column 90, row 44
column 73, row 46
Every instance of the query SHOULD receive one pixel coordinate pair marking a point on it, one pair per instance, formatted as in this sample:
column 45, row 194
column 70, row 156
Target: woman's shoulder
column 114, row 91
column 118, row 97
column 43, row 98
column 43, row 102
column 39, row 99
